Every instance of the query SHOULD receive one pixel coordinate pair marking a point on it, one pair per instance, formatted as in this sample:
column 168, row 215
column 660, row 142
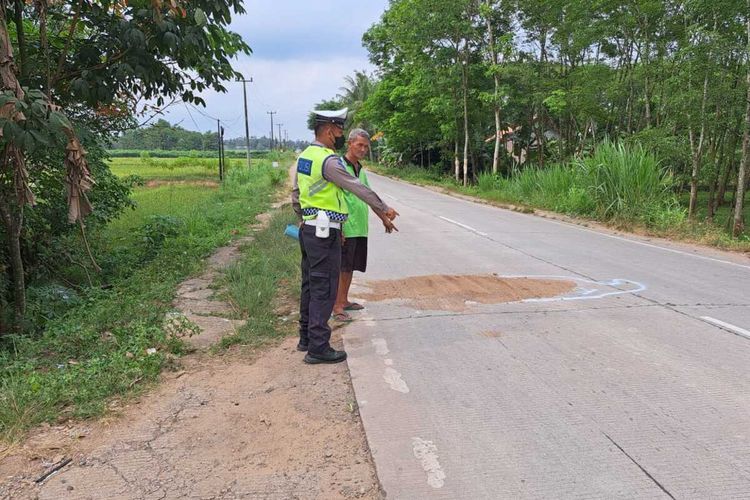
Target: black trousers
column 321, row 264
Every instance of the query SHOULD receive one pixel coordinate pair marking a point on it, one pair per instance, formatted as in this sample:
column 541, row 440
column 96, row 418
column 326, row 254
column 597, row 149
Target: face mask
column 339, row 142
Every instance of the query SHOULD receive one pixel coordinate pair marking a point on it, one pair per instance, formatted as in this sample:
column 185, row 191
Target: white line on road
column 381, row 346
column 390, row 196
column 393, row 379
column 463, row 226
column 426, row 452
column 728, row 326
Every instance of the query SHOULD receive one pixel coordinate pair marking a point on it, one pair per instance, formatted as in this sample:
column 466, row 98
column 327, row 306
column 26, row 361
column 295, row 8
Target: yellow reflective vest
column 315, row 192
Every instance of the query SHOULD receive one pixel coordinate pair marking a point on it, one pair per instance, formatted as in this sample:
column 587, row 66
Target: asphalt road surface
column 635, row 385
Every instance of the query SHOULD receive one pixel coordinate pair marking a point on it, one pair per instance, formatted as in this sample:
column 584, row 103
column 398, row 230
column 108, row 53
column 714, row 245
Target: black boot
column 329, row 356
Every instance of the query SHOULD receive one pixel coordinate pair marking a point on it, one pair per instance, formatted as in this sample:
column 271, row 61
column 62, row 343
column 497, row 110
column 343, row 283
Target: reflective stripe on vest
column 315, row 192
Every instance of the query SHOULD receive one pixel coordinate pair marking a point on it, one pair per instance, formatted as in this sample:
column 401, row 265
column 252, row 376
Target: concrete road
column 637, row 385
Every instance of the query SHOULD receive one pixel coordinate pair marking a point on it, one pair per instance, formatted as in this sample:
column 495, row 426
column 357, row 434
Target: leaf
column 40, row 138
column 200, row 17
column 59, row 121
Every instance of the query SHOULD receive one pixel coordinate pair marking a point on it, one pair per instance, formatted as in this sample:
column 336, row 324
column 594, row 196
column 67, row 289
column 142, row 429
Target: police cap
column 337, row 117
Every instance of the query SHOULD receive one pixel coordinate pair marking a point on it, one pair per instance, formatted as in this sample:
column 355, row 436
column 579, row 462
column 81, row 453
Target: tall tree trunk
column 465, row 85
column 496, row 103
column 717, row 158
column 14, row 192
column 456, row 161
column 697, row 150
column 724, row 182
column 738, row 225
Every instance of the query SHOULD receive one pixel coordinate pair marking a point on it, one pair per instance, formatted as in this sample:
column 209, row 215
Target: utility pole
column 247, row 127
column 281, row 139
column 271, row 113
column 221, row 156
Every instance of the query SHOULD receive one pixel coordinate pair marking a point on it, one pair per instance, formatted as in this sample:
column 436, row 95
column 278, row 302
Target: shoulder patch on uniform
column 304, row 166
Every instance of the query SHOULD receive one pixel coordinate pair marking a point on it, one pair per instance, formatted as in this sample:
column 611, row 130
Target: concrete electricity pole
column 247, row 127
column 271, row 113
column 281, row 140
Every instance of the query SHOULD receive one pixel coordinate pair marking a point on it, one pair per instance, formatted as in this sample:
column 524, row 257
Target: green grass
column 268, row 270
column 169, row 169
column 98, row 348
column 168, row 153
column 723, row 214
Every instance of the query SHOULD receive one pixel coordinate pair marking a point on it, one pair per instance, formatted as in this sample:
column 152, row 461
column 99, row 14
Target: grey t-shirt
column 335, row 172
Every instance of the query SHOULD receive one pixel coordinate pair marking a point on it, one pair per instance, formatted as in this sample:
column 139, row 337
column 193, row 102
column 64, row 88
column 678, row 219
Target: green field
column 95, row 341
column 181, row 169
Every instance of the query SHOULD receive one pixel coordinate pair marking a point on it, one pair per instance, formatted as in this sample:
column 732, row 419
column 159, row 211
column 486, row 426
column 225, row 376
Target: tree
column 356, row 90
column 96, row 60
column 738, row 225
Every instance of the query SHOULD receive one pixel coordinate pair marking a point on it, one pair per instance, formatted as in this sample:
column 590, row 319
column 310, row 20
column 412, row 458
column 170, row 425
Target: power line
column 203, row 113
column 191, row 117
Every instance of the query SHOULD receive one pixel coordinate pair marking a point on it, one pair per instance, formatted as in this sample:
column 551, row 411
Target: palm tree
column 354, row 93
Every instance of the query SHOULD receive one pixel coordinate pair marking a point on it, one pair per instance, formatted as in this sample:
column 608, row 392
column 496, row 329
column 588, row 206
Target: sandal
column 342, row 317
column 353, row 306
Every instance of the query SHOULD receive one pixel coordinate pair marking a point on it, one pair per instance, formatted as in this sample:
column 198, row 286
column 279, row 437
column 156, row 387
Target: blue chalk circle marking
column 589, row 289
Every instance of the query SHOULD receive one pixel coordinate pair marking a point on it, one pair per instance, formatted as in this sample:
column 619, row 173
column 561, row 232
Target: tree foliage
column 559, row 77
column 73, row 73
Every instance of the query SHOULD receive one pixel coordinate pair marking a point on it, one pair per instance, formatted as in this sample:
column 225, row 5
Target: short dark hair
column 320, row 127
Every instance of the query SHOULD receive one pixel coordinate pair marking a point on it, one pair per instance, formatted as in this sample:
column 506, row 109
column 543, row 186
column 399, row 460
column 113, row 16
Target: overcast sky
column 302, row 51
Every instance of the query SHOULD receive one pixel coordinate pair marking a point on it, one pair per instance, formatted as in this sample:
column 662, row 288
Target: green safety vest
column 357, row 225
column 315, row 192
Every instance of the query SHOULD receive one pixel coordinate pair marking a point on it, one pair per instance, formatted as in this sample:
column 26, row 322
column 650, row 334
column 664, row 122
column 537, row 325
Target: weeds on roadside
column 267, row 270
column 110, row 339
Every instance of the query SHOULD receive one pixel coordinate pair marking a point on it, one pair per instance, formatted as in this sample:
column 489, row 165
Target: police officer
column 318, row 198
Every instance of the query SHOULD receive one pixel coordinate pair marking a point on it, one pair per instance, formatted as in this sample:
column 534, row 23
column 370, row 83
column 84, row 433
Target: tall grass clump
column 555, row 188
column 627, row 183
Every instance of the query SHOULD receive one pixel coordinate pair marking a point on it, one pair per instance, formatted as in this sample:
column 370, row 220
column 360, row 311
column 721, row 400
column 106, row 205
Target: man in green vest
column 354, row 250
column 318, row 198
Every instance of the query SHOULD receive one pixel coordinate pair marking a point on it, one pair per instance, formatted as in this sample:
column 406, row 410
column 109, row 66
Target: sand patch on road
column 456, row 293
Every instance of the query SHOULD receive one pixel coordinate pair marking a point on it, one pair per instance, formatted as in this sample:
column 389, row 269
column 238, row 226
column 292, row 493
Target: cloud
column 297, row 28
column 290, row 87
column 301, row 53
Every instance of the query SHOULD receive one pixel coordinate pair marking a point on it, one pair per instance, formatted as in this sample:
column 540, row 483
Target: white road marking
column 581, row 293
column 390, row 196
column 650, row 245
column 381, row 346
column 388, row 362
column 728, row 326
column 394, row 380
column 469, row 228
column 426, row 452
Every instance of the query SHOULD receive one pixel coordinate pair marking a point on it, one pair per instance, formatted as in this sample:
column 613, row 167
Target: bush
column 625, row 182
column 157, row 230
